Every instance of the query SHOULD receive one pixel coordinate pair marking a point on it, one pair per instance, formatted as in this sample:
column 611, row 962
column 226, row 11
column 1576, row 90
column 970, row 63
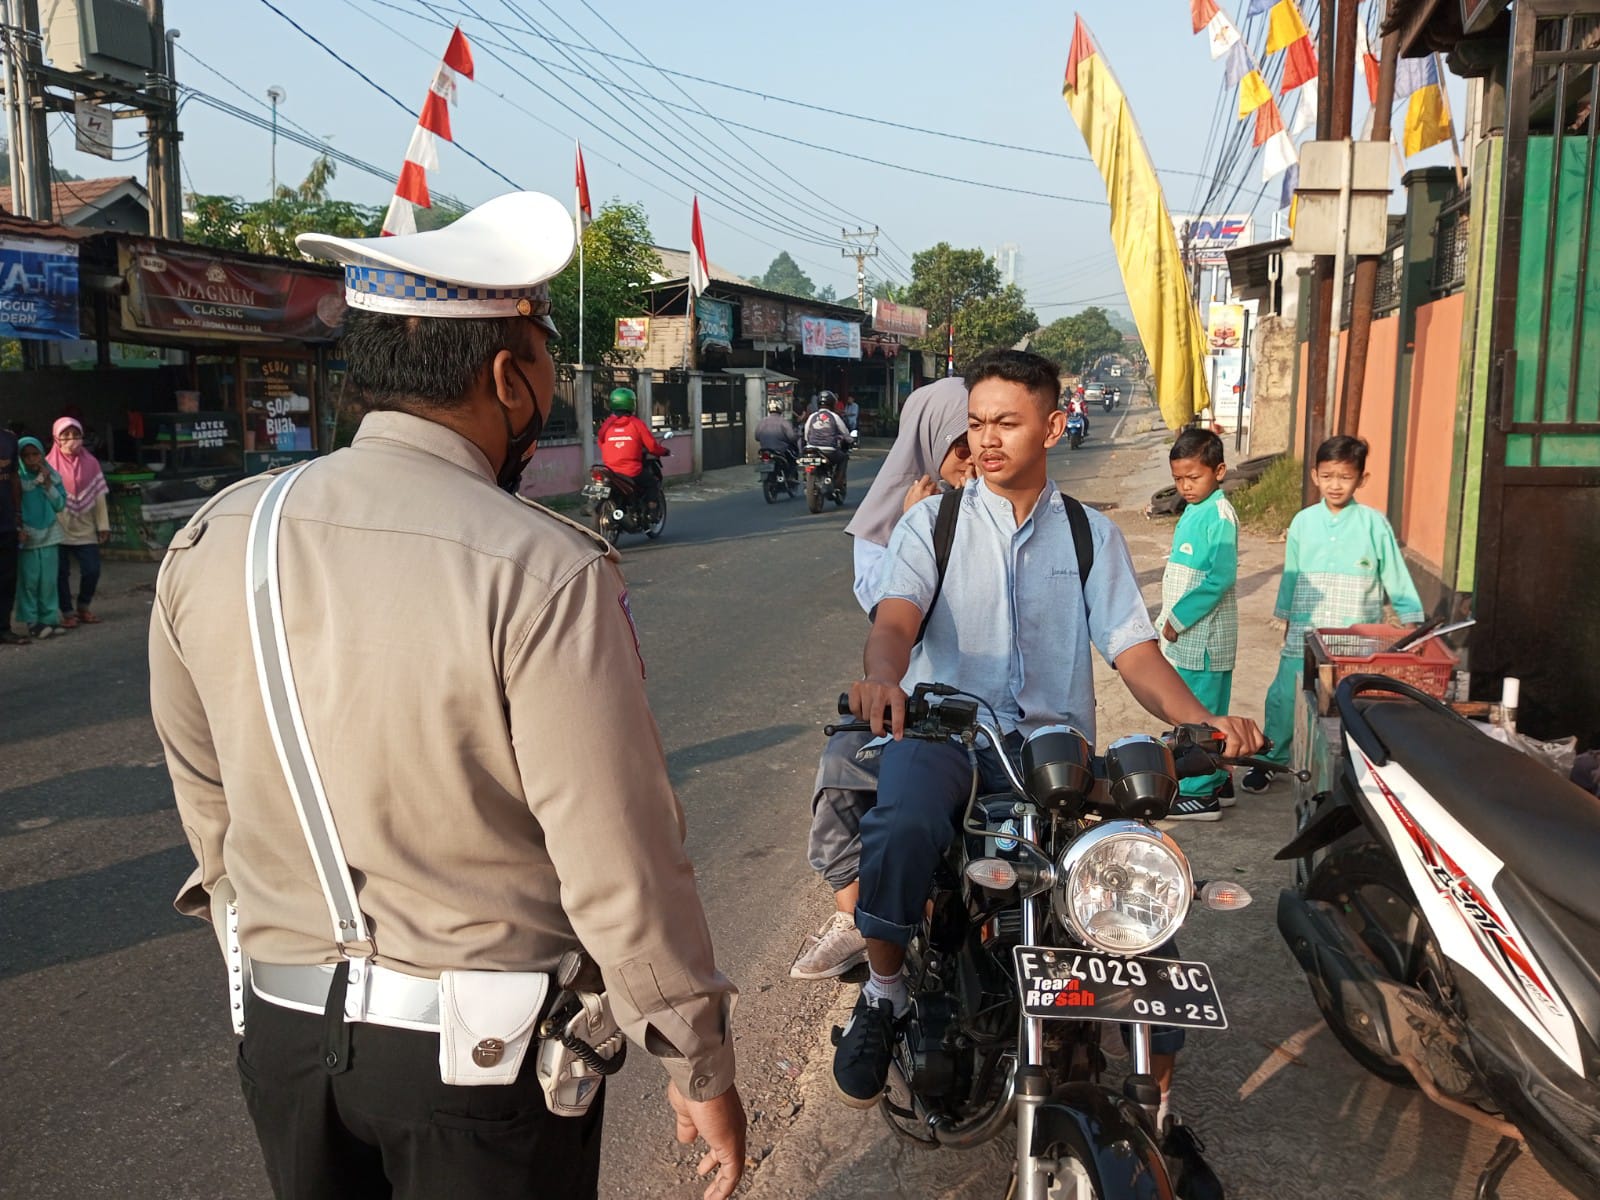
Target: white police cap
column 495, row 261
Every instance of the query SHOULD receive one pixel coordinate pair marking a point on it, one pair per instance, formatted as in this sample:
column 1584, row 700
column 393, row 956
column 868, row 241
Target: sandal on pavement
column 9, row 638
column 85, row 617
column 68, row 621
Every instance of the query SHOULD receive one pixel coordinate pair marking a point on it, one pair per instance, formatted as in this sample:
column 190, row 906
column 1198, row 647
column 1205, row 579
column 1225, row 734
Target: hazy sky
column 988, row 72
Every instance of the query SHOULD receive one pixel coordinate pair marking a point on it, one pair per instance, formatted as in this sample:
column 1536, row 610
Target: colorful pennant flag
column 1416, row 81
column 433, row 126
column 583, row 209
column 1305, row 112
column 1237, row 65
column 1285, row 26
column 1257, row 7
column 1369, row 60
column 1146, row 243
column 1202, row 13
column 1222, row 34
column 1299, row 65
column 699, row 265
column 1253, row 93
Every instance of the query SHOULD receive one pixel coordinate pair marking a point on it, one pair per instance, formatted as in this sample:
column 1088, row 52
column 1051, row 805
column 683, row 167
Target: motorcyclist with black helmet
column 827, row 432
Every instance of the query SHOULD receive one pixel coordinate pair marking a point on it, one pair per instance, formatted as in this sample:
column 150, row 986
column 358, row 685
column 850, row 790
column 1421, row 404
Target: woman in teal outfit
column 42, row 498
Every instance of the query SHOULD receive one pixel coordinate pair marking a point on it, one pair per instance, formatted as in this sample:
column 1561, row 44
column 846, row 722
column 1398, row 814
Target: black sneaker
column 1225, row 793
column 1256, row 780
column 1194, row 1179
column 865, row 1046
column 1196, row 808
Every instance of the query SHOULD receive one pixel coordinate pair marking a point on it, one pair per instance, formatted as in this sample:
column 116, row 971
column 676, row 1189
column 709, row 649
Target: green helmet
column 622, row 400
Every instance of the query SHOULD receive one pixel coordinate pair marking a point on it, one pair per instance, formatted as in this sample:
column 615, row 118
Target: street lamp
column 277, row 95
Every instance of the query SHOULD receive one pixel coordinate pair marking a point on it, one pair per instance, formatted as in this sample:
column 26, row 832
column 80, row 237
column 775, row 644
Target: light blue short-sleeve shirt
column 1010, row 624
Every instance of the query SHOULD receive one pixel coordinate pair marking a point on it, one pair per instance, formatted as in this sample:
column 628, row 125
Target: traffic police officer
column 463, row 661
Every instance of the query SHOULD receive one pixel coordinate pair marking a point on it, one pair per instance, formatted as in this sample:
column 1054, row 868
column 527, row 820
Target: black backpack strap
column 1082, row 541
column 944, row 536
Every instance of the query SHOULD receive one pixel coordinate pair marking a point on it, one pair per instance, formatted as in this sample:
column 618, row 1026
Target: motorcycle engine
column 930, row 1064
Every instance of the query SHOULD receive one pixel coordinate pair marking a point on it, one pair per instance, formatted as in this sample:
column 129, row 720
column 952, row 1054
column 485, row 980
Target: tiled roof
column 70, row 197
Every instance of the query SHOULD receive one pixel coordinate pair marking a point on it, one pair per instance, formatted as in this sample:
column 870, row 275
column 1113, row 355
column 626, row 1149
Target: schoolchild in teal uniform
column 1340, row 561
column 1200, row 610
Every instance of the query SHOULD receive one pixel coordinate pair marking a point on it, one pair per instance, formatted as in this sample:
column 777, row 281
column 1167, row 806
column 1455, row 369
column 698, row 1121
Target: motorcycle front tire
column 1076, row 440
column 1367, row 886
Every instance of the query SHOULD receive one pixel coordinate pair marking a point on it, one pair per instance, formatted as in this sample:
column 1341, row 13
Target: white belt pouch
column 486, row 1018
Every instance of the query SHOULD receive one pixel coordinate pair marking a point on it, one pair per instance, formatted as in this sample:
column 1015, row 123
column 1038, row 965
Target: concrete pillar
column 583, row 407
column 696, row 417
column 642, row 382
column 755, row 411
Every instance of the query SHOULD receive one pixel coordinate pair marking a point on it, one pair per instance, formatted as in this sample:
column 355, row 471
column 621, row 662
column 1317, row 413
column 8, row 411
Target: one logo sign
column 1207, row 239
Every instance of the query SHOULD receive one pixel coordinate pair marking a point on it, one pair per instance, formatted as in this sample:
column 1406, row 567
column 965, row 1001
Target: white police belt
column 392, row 997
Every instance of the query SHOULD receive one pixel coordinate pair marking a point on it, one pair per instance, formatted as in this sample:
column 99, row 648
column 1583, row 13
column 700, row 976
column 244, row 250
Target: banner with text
column 713, row 323
column 38, row 288
column 202, row 296
column 900, row 319
column 822, row 338
column 633, row 333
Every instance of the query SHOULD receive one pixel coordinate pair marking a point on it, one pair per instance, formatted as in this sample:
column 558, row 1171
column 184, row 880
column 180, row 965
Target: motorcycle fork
column 1033, row 1084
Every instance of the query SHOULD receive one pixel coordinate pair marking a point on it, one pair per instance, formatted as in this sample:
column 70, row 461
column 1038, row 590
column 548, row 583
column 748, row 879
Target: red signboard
column 761, row 320
column 198, row 295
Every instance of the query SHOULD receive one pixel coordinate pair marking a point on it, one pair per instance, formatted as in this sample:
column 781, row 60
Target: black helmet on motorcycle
column 826, row 399
column 622, row 400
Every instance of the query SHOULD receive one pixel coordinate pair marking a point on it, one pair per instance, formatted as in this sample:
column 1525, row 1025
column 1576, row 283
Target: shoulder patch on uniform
column 593, row 535
column 1186, row 548
column 627, row 611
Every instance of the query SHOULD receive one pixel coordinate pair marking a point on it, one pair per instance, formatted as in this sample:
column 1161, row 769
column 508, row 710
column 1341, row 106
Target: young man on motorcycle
column 826, row 431
column 1002, row 629
column 1077, row 404
column 624, row 442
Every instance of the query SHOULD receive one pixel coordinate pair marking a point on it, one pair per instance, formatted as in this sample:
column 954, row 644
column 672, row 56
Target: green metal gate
column 1539, row 516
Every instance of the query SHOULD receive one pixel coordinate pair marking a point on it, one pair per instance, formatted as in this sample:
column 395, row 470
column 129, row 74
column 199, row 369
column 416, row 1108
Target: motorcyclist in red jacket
column 625, row 441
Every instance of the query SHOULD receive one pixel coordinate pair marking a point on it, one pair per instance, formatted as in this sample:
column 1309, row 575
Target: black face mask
column 518, row 444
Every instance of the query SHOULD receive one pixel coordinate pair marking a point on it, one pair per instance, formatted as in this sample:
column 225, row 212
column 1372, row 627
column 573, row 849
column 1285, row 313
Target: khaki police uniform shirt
column 474, row 696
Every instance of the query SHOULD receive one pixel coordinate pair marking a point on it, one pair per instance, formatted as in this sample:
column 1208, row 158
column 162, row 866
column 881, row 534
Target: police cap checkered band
column 383, row 289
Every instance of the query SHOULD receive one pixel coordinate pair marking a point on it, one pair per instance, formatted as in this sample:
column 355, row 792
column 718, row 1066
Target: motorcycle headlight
column 1123, row 888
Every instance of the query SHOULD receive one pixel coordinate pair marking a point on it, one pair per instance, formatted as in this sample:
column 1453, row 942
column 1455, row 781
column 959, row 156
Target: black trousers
column 8, row 575
column 386, row 1128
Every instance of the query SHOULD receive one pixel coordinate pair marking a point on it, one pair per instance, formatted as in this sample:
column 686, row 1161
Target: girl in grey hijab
column 932, row 421
column 930, row 451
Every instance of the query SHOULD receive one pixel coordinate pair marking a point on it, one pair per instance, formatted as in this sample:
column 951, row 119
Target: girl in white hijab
column 929, row 455
column 931, row 448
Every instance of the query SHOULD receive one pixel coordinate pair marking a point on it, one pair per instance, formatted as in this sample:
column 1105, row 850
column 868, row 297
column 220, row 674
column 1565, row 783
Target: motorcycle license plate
column 764, row 469
column 1085, row 985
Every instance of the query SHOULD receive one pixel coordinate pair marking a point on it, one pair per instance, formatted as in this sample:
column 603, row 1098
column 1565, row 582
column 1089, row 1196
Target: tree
column 270, row 226
column 963, row 286
column 1076, row 343
column 827, row 295
column 618, row 263
column 784, row 275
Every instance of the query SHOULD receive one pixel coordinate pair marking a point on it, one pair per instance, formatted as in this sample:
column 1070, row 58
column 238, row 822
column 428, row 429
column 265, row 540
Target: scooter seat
column 1545, row 829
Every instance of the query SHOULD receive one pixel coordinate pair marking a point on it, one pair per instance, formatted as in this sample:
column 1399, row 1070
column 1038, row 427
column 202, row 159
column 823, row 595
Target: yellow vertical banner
column 1153, row 273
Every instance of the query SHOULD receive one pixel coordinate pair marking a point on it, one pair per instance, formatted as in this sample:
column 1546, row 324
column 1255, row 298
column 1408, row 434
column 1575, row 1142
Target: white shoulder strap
column 282, row 702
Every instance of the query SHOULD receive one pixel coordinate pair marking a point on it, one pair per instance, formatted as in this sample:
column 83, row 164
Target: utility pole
column 861, row 254
column 1335, row 85
column 1366, row 283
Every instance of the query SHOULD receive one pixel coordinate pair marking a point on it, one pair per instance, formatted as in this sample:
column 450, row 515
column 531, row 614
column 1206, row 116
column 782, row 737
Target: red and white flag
column 433, row 127
column 584, row 210
column 699, row 267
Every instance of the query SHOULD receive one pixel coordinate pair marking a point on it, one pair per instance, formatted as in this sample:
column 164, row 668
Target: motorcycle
column 821, row 475
column 1039, row 924
column 1077, row 429
column 617, row 502
column 778, row 475
column 1108, row 398
column 1444, row 920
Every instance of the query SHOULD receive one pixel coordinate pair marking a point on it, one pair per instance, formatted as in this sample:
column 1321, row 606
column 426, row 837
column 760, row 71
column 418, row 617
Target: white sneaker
column 834, row 949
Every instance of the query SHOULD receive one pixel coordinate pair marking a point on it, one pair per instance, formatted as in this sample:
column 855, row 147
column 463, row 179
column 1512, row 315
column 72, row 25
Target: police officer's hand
column 1244, row 735
column 720, row 1121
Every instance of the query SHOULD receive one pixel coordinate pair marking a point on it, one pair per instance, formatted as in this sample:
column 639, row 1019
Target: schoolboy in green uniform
column 1200, row 611
column 1340, row 560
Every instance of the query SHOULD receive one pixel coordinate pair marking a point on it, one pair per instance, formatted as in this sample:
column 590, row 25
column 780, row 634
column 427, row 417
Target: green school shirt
column 1337, row 567
column 1197, row 588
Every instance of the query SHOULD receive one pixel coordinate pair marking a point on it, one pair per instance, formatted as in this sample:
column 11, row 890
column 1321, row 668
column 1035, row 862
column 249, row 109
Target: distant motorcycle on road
column 778, row 474
column 619, row 503
column 825, row 479
column 1077, row 429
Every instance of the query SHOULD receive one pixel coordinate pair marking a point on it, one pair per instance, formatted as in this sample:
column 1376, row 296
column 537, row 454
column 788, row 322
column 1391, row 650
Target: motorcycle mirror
column 1225, row 897
column 995, row 874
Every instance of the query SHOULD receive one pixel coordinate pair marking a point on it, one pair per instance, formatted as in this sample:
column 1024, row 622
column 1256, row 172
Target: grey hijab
column 932, row 418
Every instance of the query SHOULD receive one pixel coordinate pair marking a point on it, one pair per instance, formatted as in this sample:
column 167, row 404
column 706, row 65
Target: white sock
column 888, row 987
column 1163, row 1112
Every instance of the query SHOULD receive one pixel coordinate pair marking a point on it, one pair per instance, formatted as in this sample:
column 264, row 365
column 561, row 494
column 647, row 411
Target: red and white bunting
column 699, row 266
column 584, row 209
column 433, row 126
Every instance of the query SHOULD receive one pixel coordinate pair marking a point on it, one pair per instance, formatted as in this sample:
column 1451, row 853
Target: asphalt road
column 116, row 1052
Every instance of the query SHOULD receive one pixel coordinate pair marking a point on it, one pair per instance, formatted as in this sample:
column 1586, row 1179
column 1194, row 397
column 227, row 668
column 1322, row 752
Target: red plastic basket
column 1361, row 650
